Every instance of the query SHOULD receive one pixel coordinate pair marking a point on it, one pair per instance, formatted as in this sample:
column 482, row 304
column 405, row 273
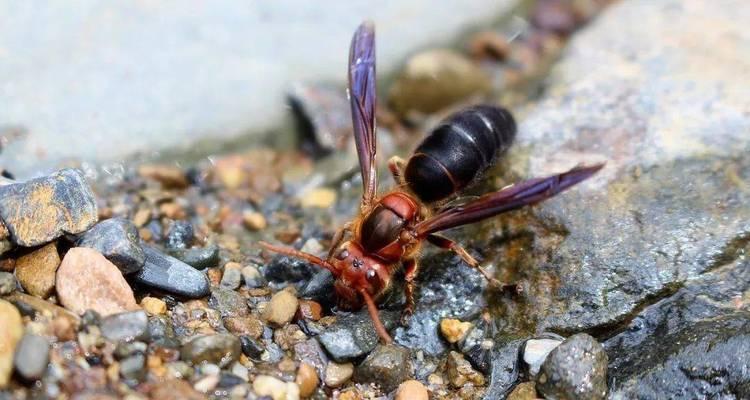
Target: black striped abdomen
column 458, row 150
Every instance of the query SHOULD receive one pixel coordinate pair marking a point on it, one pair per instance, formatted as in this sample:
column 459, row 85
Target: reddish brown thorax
column 384, row 230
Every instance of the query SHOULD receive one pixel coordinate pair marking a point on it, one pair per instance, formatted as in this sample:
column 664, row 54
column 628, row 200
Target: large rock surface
column 42, row 209
column 664, row 103
column 106, row 80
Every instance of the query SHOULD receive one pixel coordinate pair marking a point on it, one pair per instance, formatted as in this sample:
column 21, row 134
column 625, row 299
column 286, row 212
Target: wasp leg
column 396, row 165
column 338, row 238
column 411, row 268
column 445, row 243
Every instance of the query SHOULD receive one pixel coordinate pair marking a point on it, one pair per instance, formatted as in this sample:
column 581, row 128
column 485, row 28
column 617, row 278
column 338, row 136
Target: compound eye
column 343, row 254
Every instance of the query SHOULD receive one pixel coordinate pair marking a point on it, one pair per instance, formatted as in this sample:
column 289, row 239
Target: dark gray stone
column 505, row 367
column 40, row 210
column 252, row 277
column 576, row 369
column 127, row 349
column 447, row 288
column 228, row 302
column 32, row 356
column 171, row 275
column 118, row 240
column 353, row 335
column 198, row 257
column 228, row 380
column 319, row 288
column 289, row 270
column 311, row 353
column 161, row 332
column 127, row 326
column 7, row 283
column 387, row 365
column 251, row 347
column 220, row 349
column 180, row 235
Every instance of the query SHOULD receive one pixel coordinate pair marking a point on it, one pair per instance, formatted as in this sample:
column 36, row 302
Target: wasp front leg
column 396, row 165
column 411, row 269
column 445, row 243
column 338, row 237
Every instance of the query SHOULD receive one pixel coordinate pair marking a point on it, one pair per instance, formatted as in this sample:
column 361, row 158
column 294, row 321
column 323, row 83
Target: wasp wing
column 362, row 97
column 525, row 193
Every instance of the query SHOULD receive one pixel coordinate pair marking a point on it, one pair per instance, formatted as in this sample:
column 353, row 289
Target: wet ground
column 146, row 280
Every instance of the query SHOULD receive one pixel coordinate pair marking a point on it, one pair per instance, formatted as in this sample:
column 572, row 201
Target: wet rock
column 435, row 79
column 170, row 176
column 161, row 332
column 86, row 280
column 307, row 379
column 116, row 239
column 125, row 326
column 387, row 365
column 285, row 269
column 576, row 369
column 460, row 371
column 692, row 343
column 176, row 389
column 228, row 302
column 220, row 349
column 252, row 277
column 454, row 330
column 133, row 368
column 232, row 276
column 154, row 306
column 663, row 211
column 198, row 257
column 447, row 288
column 338, row 374
column 275, row 388
column 36, row 270
column 412, row 390
column 353, row 335
column 32, row 356
column 9, row 337
column 171, row 275
column 43, row 209
column 319, row 288
column 535, row 351
column 127, row 349
column 7, row 283
column 180, row 235
column 280, row 310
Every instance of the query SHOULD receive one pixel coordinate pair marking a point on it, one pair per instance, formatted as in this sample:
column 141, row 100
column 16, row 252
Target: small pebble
column 207, row 383
column 252, row 347
column 232, row 277
column 7, row 283
column 171, row 275
column 86, row 280
column 309, row 309
column 175, row 389
column 523, row 391
column 221, row 349
column 125, row 326
column 248, row 325
column 254, row 221
column 240, row 371
column 454, row 330
column 133, row 368
column 281, row 309
column 228, row 302
column 307, row 379
column 461, row 372
column 318, row 197
column 170, row 176
column 198, row 257
column 9, row 336
column 277, row 389
column 118, row 241
column 142, row 217
column 36, row 270
column 338, row 374
column 535, row 352
column 576, row 369
column 180, row 235
column 412, row 390
column 252, row 277
column 32, row 356
column 154, row 306
column 387, row 365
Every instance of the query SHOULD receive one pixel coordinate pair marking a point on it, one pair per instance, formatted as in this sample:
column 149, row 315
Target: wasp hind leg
column 411, row 269
column 396, row 165
column 448, row 244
